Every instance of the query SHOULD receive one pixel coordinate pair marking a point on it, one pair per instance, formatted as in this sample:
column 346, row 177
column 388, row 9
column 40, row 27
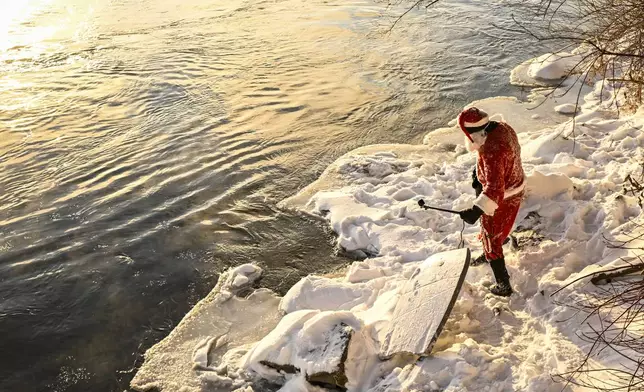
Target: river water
column 145, row 144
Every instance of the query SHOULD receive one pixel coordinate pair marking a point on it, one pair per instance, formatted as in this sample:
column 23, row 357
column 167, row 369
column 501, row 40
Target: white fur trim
column 486, row 204
column 515, row 191
column 478, row 139
column 470, row 145
column 498, row 116
column 479, row 123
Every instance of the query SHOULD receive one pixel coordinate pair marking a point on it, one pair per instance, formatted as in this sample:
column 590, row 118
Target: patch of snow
column 549, row 186
column 566, row 108
column 552, row 66
column 241, row 276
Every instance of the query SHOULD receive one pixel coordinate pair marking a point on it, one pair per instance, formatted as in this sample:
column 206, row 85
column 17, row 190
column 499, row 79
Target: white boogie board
column 425, row 303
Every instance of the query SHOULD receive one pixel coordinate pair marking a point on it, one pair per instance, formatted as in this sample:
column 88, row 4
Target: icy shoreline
column 369, row 198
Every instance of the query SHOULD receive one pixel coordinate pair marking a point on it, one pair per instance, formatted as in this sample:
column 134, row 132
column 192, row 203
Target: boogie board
column 425, row 302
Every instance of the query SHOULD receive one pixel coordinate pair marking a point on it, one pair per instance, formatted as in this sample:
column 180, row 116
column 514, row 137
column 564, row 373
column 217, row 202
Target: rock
column 328, row 380
column 336, row 351
column 282, row 368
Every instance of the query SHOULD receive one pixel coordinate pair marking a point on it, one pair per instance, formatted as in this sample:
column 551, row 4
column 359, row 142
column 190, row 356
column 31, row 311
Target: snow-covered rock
column 567, row 108
column 310, row 342
column 552, row 66
column 548, row 186
column 197, row 351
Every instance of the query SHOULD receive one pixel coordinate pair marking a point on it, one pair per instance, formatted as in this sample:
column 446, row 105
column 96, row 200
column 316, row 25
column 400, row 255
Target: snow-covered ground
column 369, row 197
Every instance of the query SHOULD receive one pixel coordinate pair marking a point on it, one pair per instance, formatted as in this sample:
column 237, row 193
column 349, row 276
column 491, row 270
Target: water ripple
column 144, row 145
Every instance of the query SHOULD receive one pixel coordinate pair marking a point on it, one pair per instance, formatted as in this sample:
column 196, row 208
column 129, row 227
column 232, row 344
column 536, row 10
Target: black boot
column 478, row 261
column 502, row 287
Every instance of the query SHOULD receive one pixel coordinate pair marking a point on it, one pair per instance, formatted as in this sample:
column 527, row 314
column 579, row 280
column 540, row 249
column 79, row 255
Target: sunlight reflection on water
column 145, row 144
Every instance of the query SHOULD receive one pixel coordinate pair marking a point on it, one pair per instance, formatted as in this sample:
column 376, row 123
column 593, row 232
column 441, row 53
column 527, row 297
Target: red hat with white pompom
column 472, row 120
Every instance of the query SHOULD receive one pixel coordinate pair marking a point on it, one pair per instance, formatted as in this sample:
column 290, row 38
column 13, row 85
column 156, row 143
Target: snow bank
column 369, row 197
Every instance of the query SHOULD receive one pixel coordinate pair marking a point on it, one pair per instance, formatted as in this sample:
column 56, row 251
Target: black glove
column 476, row 184
column 471, row 215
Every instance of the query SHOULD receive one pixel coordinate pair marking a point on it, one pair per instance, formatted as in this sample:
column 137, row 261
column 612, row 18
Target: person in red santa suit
column 499, row 183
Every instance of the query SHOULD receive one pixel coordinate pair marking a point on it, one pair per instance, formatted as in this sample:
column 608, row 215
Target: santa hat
column 472, row 120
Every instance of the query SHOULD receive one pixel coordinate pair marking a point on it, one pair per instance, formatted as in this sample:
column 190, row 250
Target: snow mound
column 566, row 108
column 549, row 69
column 548, row 186
column 355, row 165
column 553, row 66
column 545, row 147
column 241, row 277
column 325, row 294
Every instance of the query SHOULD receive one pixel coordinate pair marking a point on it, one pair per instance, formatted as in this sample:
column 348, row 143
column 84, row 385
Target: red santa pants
column 496, row 228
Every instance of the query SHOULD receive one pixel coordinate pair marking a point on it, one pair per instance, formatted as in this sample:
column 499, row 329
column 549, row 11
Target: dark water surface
column 144, row 145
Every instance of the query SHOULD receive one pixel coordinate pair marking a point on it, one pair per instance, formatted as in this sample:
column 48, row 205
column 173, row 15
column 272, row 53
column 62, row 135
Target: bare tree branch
column 416, row 4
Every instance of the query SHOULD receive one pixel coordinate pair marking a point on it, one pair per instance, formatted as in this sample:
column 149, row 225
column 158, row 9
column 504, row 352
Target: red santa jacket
column 499, row 167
